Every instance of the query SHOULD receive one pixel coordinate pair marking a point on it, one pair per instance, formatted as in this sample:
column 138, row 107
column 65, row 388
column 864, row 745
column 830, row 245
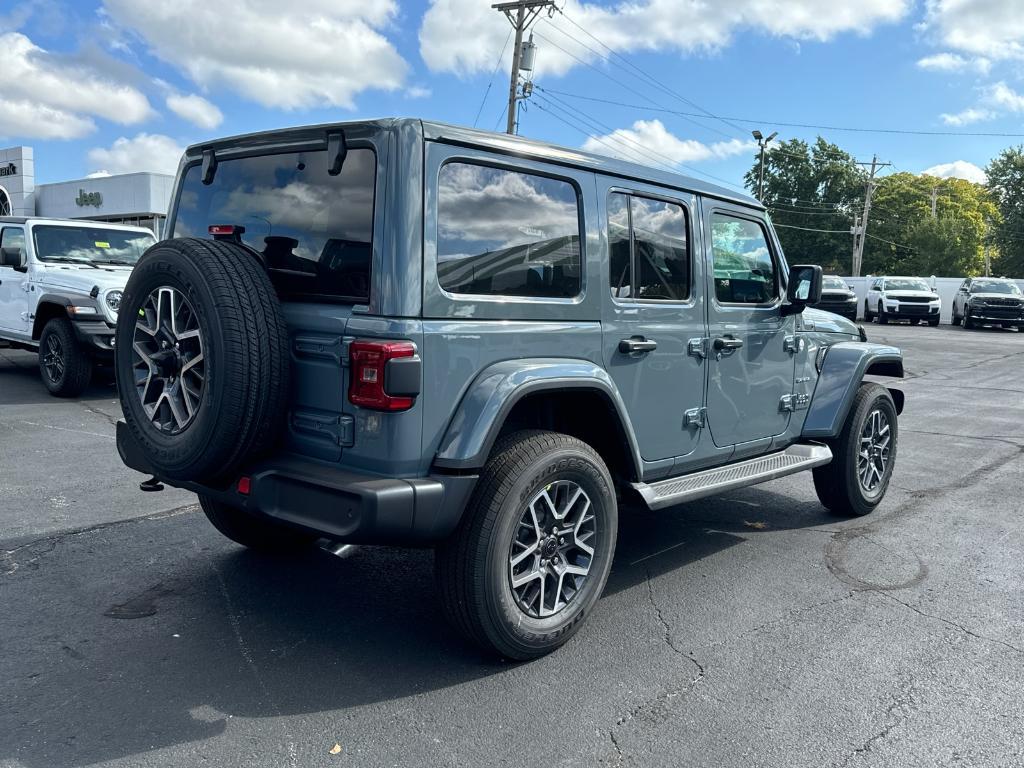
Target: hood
column 70, row 277
column 828, row 322
column 989, row 296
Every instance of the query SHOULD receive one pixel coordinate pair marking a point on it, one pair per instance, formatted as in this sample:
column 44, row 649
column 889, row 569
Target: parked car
column 837, row 297
column 989, row 301
column 402, row 332
column 61, row 283
column 902, row 298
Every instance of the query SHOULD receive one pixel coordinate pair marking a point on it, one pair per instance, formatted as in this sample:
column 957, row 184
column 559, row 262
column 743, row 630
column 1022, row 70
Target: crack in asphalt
column 112, row 420
column 896, row 714
column 8, row 565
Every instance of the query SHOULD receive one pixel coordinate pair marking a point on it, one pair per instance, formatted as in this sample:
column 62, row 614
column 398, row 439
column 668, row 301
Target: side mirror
column 804, row 288
column 12, row 256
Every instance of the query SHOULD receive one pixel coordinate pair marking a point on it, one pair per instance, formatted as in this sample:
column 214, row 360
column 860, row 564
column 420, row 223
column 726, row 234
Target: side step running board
column 697, row 485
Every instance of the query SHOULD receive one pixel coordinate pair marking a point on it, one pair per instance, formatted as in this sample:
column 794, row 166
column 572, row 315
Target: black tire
column 868, row 317
column 883, row 318
column 473, row 566
column 253, row 531
column 934, row 323
column 837, row 484
column 65, row 367
column 955, row 320
column 242, row 403
column 967, row 322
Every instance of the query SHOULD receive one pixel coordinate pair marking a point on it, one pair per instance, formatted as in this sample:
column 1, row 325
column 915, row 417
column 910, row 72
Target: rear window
column 314, row 230
column 506, row 233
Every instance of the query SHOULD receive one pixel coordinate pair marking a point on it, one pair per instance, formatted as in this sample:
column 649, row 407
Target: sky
column 116, row 86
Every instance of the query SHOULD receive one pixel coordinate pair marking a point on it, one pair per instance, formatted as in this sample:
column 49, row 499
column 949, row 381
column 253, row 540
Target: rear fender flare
column 846, row 363
column 481, row 414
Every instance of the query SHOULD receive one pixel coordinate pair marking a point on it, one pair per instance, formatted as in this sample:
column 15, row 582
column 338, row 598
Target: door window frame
column 781, row 272
column 24, row 243
column 631, row 192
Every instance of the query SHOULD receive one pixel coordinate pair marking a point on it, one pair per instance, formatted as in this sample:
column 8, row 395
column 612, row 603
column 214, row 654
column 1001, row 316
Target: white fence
column 946, row 287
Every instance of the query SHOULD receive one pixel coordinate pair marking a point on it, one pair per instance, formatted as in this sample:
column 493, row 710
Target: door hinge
column 698, row 347
column 695, row 417
column 793, row 344
column 794, row 402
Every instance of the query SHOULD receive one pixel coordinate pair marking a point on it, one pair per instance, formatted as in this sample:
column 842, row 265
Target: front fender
column 473, row 429
column 845, row 366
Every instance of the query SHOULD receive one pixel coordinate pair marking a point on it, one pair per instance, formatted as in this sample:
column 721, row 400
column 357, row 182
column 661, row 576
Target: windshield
column 834, row 283
column 994, row 286
column 906, row 284
column 89, row 245
column 313, row 230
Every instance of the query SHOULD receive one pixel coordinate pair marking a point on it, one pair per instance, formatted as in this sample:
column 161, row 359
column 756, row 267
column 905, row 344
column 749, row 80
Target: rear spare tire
column 202, row 358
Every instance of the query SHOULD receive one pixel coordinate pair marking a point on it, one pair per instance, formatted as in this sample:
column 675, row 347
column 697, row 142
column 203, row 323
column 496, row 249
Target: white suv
column 902, row 298
column 60, row 288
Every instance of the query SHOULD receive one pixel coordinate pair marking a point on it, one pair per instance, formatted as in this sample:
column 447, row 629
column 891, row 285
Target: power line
column 491, row 81
column 763, row 121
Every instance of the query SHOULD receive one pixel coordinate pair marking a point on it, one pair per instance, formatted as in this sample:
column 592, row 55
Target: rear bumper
column 346, row 506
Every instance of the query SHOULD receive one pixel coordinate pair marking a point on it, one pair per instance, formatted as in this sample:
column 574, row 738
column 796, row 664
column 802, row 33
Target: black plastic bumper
column 97, row 334
column 341, row 505
column 903, row 314
column 989, row 318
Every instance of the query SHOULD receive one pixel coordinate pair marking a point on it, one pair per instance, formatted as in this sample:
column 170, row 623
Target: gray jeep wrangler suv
column 401, row 332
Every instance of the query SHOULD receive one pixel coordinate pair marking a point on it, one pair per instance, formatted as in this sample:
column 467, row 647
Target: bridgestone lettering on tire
column 238, row 403
column 568, row 486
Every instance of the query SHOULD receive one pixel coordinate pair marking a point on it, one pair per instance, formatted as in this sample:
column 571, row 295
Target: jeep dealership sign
column 9, row 170
column 84, row 198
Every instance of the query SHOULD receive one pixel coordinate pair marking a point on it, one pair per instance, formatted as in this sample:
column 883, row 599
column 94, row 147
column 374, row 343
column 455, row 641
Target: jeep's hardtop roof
column 72, row 223
column 496, row 142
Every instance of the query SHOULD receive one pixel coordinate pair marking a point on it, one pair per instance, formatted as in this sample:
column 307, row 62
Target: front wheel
column 883, row 319
column 968, row 322
column 867, row 312
column 934, row 323
column 534, row 548
column 863, row 455
column 65, row 367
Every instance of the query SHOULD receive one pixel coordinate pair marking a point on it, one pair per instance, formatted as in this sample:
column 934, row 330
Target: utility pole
column 521, row 14
column 935, row 199
column 762, row 142
column 860, row 231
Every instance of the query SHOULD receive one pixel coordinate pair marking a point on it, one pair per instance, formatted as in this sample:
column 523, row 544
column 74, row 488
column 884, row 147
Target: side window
column 507, row 233
column 649, row 253
column 11, row 238
column 742, row 262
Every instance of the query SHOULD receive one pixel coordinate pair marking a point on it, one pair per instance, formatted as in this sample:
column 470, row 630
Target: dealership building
column 139, row 199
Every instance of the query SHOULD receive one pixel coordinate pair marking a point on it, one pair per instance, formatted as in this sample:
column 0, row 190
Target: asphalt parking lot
column 747, row 630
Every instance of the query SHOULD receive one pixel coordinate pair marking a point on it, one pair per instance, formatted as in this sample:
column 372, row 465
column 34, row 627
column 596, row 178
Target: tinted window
column 89, row 245
column 744, row 270
column 658, row 265
column 505, row 233
column 315, row 230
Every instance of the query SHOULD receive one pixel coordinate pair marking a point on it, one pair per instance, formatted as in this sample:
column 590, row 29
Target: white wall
column 946, row 286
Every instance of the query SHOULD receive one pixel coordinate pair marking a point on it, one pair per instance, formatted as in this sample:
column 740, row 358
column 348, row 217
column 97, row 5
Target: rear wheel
column 252, row 531
column 863, row 455
column 533, row 551
column 66, row 368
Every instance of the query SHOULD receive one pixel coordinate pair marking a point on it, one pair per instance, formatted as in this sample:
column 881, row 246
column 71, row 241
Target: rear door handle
column 637, row 344
column 727, row 344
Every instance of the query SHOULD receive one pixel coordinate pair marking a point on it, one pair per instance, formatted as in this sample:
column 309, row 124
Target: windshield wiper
column 119, row 262
column 69, row 260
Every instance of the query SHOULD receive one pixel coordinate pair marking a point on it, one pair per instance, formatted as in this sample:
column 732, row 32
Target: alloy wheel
column 551, row 552
column 875, row 445
column 53, row 358
column 168, row 360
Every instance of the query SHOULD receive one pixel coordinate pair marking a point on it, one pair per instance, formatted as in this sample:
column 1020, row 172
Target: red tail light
column 368, row 385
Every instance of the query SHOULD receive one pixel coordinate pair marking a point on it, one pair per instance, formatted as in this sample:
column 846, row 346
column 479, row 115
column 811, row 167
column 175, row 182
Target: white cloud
column 650, row 143
column 967, row 117
column 958, row 169
column 145, row 152
column 685, row 26
column 47, row 96
column 952, row 62
column 991, row 28
column 294, row 55
column 195, row 109
column 1002, row 95
column 98, row 174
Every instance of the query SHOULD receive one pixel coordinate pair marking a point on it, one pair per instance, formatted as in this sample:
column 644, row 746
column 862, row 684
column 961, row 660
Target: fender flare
column 846, row 363
column 475, row 425
column 65, row 301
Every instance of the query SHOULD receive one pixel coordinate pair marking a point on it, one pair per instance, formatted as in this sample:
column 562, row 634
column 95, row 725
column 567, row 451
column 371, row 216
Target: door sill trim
column 697, row 485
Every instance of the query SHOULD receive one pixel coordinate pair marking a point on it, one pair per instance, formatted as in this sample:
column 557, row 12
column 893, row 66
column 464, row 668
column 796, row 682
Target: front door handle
column 727, row 344
column 637, row 344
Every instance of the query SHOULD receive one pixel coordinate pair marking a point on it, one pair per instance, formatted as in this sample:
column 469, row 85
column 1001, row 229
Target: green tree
column 1006, row 183
column 811, row 187
column 904, row 237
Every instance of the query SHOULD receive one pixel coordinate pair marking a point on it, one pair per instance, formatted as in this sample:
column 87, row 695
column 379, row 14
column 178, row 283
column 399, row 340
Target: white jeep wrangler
column 60, row 289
